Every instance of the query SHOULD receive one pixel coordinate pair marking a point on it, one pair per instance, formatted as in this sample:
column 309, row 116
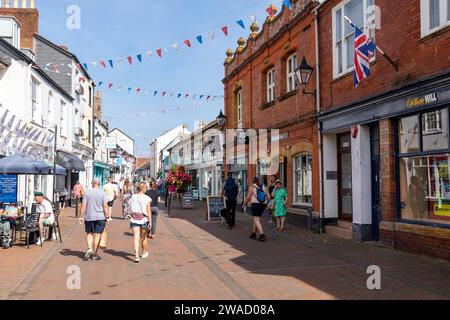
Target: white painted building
column 160, row 144
column 124, row 162
column 31, row 104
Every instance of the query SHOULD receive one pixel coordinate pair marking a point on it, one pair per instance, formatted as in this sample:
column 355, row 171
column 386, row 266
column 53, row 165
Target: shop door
column 376, row 184
column 345, row 177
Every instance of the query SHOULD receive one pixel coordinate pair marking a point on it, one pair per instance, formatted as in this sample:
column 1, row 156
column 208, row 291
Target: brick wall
column 387, row 170
column 400, row 38
column 291, row 113
column 29, row 24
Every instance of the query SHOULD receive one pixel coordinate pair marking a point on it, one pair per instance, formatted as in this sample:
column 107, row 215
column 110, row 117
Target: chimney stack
column 28, row 16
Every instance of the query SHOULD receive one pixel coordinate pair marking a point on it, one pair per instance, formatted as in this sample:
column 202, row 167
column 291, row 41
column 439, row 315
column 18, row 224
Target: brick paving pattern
column 194, row 259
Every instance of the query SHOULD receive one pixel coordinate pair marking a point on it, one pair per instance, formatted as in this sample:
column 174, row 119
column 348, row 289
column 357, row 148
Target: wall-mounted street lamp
column 221, row 120
column 303, row 74
column 98, row 139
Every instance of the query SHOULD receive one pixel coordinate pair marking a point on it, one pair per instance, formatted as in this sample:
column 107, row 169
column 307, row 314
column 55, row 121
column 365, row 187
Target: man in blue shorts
column 95, row 210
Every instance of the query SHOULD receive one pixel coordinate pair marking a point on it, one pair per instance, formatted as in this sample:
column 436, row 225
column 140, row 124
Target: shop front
column 102, row 171
column 386, row 167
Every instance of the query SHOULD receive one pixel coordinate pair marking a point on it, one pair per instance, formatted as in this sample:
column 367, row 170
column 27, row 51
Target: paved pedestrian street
column 194, row 259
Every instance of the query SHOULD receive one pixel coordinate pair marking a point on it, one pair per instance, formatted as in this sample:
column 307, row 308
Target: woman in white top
column 140, row 220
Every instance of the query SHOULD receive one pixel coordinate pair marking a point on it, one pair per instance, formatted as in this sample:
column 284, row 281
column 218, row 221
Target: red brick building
column 386, row 144
column 261, row 93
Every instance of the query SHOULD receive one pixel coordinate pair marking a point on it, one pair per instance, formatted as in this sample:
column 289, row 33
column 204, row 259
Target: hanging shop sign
column 421, row 101
column 111, row 143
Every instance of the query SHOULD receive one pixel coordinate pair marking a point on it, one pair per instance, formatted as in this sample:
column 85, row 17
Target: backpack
column 260, row 195
column 231, row 189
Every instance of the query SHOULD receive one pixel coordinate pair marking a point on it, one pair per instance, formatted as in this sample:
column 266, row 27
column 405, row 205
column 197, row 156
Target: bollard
column 76, row 208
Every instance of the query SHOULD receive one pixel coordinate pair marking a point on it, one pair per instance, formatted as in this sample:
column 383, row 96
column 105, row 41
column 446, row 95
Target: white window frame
column 295, row 171
column 426, row 122
column 239, row 108
column 291, row 64
column 50, row 107
column 444, row 17
column 345, row 43
column 62, row 119
column 35, row 100
column 270, row 85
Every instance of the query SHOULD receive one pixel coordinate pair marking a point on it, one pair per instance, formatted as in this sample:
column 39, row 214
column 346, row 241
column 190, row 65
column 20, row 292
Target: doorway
column 345, row 177
column 376, row 184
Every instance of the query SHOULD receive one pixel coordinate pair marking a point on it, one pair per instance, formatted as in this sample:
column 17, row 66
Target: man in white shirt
column 112, row 193
column 46, row 216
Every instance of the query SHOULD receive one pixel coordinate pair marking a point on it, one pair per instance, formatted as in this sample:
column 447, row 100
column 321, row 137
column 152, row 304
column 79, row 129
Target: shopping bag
column 104, row 240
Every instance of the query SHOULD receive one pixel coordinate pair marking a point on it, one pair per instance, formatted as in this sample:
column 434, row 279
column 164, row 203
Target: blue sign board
column 8, row 188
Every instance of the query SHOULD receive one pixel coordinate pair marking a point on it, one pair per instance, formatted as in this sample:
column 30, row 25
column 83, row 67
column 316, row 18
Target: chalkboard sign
column 8, row 188
column 214, row 206
column 187, row 201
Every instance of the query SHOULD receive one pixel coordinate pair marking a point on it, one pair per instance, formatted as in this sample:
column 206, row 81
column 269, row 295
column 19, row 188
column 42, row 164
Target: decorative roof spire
column 229, row 56
column 241, row 42
column 255, row 29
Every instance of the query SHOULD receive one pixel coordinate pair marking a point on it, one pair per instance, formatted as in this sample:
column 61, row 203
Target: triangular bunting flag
column 139, row 56
column 129, row 89
column 200, row 39
column 111, row 63
column 175, row 46
column 179, row 95
column 100, row 83
column 130, row 60
column 149, row 53
column 119, row 61
column 159, row 52
column 110, row 85
column 241, row 23
column 85, row 66
column 187, row 95
column 225, row 30
column 211, row 35
column 155, row 93
column 270, row 11
column 164, row 93
column 188, row 43
column 201, row 97
column 103, row 64
column 287, row 4
column 138, row 90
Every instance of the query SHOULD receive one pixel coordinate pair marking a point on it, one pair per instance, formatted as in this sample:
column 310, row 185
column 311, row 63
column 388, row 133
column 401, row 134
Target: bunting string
column 140, row 58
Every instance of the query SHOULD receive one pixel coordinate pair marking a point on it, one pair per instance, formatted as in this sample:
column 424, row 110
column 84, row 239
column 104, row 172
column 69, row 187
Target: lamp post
column 221, row 122
column 97, row 140
column 48, row 125
column 303, row 74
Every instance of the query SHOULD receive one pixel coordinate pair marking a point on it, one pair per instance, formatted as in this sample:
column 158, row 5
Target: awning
column 70, row 162
column 102, row 165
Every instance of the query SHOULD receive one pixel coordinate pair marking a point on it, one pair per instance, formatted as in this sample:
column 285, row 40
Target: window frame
column 296, row 201
column 444, row 17
column 239, row 109
column 291, row 74
column 62, row 119
column 419, row 154
column 35, row 100
column 270, row 84
column 345, row 43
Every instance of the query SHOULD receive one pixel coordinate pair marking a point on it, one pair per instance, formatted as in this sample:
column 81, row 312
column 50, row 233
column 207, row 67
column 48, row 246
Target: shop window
column 359, row 11
column 435, row 15
column 425, row 188
column 409, row 134
column 424, row 176
column 435, row 130
column 303, row 179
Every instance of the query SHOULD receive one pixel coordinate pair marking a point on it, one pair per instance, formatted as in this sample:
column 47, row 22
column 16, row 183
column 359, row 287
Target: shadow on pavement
column 334, row 267
column 121, row 254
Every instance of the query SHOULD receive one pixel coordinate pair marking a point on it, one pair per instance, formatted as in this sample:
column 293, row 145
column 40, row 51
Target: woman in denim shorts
column 140, row 220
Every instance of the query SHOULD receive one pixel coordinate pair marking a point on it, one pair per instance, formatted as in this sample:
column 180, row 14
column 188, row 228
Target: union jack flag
column 364, row 51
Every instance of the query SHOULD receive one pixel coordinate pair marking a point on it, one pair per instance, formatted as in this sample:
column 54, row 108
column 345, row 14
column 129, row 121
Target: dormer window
column 10, row 31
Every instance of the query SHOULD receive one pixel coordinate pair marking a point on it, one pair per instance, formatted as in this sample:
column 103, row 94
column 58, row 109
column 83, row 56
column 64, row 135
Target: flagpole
column 389, row 59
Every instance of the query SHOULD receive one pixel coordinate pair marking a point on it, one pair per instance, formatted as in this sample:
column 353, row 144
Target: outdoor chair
column 30, row 226
column 56, row 226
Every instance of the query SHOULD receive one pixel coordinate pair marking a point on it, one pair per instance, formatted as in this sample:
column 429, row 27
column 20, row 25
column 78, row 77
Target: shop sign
column 8, row 188
column 111, row 143
column 442, row 210
column 421, row 101
column 188, row 200
column 113, row 154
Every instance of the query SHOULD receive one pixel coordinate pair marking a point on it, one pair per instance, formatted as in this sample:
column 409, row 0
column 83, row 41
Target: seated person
column 5, row 228
column 46, row 216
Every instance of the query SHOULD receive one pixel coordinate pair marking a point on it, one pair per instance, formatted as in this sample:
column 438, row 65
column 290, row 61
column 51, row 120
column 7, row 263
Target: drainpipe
column 319, row 131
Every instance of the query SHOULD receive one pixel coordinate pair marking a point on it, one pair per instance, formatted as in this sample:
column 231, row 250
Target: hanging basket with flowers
column 177, row 180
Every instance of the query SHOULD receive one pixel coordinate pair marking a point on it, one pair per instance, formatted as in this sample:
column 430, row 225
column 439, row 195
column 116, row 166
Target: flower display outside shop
column 177, row 180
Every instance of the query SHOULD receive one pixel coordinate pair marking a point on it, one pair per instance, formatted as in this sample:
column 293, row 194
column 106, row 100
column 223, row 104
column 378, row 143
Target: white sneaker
column 110, row 219
column 54, row 237
column 39, row 242
column 145, row 255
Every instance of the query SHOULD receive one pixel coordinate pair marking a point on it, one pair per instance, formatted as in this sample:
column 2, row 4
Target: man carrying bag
column 94, row 210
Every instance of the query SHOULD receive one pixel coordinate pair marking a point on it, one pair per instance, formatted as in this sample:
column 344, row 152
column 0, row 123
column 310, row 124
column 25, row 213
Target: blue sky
column 115, row 28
